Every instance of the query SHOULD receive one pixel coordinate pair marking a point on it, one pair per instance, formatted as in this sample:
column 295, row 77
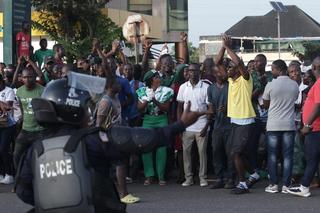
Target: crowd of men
column 250, row 119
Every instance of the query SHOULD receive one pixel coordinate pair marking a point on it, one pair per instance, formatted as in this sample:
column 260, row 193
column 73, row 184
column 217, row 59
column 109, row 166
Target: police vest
column 62, row 180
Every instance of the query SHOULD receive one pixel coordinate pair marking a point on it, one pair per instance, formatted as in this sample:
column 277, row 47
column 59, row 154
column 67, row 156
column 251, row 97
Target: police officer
column 67, row 171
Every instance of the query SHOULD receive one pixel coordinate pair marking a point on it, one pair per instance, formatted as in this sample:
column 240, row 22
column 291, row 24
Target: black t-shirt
column 219, row 97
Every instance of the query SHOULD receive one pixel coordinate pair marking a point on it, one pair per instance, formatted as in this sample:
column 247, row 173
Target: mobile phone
column 122, row 44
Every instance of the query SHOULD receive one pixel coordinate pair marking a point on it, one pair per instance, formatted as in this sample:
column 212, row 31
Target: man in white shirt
column 7, row 132
column 194, row 91
column 294, row 72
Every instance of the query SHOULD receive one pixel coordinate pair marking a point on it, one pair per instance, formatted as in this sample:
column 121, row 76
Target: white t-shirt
column 17, row 114
column 199, row 102
column 7, row 95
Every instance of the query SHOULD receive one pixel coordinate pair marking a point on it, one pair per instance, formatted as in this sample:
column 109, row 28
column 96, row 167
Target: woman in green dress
column 154, row 102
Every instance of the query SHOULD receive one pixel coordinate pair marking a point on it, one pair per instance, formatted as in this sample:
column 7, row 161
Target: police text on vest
column 55, row 168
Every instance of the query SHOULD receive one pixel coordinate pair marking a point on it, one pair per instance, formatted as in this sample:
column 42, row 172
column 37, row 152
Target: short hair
column 196, row 65
column 249, row 62
column 164, row 56
column 262, row 56
column 311, row 75
column 56, row 47
column 280, row 64
column 296, row 66
column 295, row 62
column 43, row 40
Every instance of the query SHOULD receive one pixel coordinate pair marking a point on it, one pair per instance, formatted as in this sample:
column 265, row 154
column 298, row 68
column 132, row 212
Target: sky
column 213, row 17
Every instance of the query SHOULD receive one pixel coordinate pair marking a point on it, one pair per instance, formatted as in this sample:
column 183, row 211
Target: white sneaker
column 272, row 188
column 285, row 189
column 187, row 183
column 300, row 191
column 8, row 179
column 203, row 183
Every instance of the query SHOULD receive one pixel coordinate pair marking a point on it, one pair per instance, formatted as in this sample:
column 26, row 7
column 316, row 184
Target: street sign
column 15, row 12
column 135, row 27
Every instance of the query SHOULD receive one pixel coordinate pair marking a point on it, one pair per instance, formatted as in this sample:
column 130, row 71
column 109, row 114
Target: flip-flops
column 162, row 183
column 129, row 199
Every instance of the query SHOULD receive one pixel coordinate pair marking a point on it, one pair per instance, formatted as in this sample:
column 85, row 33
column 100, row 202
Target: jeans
column 312, row 154
column 23, row 142
column 286, row 140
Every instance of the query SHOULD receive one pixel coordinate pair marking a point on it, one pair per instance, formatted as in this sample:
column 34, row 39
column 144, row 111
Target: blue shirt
column 125, row 90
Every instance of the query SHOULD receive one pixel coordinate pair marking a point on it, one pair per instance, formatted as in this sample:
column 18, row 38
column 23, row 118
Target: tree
column 74, row 23
column 193, row 53
column 309, row 50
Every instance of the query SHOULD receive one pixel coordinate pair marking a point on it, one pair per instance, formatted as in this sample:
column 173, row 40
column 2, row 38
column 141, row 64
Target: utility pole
column 279, row 8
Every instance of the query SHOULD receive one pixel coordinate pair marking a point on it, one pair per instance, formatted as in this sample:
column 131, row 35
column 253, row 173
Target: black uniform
column 120, row 140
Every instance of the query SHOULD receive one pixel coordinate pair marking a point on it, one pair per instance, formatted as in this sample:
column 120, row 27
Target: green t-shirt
column 168, row 81
column 40, row 55
column 29, row 122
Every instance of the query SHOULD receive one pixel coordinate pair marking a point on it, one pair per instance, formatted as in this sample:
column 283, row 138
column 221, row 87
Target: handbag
column 4, row 120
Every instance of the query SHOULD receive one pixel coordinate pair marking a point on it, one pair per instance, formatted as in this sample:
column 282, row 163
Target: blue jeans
column 286, row 140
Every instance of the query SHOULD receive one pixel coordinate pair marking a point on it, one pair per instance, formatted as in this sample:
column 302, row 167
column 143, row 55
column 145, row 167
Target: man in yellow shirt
column 241, row 113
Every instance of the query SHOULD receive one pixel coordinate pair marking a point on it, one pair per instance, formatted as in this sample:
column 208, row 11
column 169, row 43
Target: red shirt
column 312, row 99
column 24, row 44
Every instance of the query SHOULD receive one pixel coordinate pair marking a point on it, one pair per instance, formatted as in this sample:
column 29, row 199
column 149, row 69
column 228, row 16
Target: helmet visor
column 92, row 84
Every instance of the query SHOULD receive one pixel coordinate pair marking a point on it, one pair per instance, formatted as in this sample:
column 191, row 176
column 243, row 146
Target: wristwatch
column 308, row 126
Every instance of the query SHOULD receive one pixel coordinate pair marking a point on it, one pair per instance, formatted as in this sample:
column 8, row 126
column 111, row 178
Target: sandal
column 162, row 183
column 147, row 182
column 129, row 199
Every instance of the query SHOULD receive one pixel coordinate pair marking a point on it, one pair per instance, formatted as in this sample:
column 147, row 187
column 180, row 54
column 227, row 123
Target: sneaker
column 299, row 191
column 285, row 189
column 272, row 188
column 187, row 183
column 203, row 183
column 240, row 189
column 129, row 180
column 251, row 181
column 8, row 179
column 217, row 185
column 230, row 184
column 129, row 199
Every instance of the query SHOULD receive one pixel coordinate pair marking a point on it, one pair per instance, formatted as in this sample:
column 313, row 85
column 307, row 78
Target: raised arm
column 16, row 72
column 235, row 58
column 147, row 44
column 35, row 67
column 185, row 48
column 114, row 49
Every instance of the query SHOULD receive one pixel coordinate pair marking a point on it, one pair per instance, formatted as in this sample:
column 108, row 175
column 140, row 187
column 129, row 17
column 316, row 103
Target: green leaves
column 74, row 23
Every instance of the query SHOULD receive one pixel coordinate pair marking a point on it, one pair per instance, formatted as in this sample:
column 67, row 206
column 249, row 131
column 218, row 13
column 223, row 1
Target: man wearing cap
column 48, row 69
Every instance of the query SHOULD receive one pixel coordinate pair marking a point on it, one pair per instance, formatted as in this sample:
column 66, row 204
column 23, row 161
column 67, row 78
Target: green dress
column 153, row 117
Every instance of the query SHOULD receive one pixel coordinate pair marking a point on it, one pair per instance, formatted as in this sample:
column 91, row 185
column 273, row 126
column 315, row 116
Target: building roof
column 294, row 23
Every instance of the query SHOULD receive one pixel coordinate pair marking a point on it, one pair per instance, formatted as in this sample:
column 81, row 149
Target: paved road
column 194, row 199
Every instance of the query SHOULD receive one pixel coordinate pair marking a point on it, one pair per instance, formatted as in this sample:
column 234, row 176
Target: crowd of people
column 250, row 120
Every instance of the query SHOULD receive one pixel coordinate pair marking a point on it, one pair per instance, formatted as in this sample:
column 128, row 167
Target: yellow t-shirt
column 239, row 98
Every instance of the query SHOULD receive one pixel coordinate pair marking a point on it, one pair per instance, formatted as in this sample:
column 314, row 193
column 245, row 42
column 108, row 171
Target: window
column 178, row 15
column 140, row 6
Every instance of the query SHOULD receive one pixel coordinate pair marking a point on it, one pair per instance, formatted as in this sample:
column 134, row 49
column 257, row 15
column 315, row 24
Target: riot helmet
column 65, row 100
